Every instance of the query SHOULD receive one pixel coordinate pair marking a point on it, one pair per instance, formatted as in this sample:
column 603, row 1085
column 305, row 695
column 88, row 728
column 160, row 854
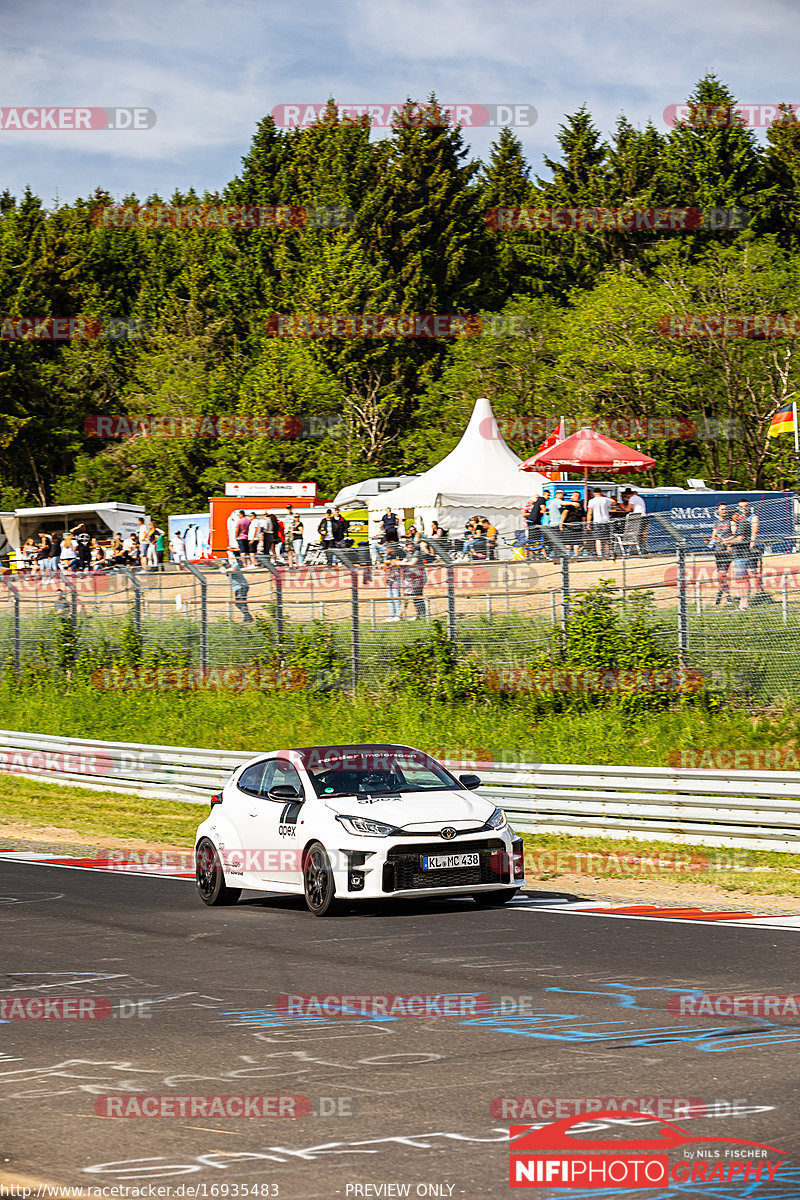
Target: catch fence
column 335, row 621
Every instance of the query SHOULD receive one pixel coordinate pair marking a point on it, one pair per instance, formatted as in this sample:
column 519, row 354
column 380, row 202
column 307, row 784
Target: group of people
column 79, row 550
column 584, row 526
column 480, row 539
column 270, row 537
column 734, row 538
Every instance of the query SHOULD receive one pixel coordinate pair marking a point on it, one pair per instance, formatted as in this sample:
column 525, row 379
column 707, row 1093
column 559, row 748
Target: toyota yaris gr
column 351, row 823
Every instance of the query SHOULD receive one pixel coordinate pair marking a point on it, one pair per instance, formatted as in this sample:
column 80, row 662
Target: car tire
column 210, row 878
column 493, row 899
column 319, row 886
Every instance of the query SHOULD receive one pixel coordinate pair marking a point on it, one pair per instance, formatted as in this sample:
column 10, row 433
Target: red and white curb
column 658, row 912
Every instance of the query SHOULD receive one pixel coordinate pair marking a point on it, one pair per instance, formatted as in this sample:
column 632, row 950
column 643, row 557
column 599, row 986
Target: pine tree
column 712, row 159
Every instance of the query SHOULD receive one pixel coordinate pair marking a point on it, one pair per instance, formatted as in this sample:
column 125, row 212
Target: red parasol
column 587, row 450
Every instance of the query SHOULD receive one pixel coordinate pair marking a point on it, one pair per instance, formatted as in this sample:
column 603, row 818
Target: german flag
column 784, row 421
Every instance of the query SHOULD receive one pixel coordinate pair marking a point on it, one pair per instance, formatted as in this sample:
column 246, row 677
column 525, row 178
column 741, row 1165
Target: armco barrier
column 751, row 810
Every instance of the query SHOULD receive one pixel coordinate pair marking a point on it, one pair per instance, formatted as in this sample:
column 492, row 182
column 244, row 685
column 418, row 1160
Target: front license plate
column 445, row 862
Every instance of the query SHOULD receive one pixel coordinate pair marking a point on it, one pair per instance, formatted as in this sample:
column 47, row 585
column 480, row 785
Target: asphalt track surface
column 406, row 1102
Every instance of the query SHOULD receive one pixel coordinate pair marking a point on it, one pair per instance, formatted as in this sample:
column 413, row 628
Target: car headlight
column 364, row 825
column 497, row 820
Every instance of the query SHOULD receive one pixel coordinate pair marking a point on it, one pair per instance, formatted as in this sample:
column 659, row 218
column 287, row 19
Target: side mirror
column 470, row 781
column 216, row 800
column 284, row 792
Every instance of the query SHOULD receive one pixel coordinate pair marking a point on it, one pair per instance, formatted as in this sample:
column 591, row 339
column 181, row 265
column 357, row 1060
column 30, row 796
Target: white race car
column 345, row 823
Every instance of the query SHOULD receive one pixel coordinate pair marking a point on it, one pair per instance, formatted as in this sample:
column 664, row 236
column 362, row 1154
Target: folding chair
column 631, row 540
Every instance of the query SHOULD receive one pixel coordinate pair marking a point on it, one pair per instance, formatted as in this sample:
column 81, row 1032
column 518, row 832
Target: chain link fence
column 737, row 625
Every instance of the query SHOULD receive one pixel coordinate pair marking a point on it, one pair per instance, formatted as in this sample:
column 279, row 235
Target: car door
column 284, row 864
column 254, row 814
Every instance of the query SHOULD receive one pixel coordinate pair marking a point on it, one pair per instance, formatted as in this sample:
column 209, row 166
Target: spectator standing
column 177, row 548
column 161, row 542
column 266, row 535
column 141, row 539
column 740, row 549
column 339, row 527
column 599, row 519
column 395, row 557
column 413, row 570
column 390, row 526
column 83, row 548
column 573, row 516
column 295, row 541
column 720, row 543
column 67, row 557
column 152, row 542
column 278, row 535
column 241, row 534
column 326, row 534
column 55, row 552
column 253, row 532
column 239, row 584
column 534, row 513
column 751, row 521
column 43, row 554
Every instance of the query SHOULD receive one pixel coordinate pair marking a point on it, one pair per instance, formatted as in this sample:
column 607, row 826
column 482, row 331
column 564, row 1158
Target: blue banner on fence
column 693, row 514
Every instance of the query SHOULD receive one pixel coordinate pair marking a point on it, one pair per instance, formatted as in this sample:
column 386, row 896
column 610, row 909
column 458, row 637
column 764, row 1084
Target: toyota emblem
column 448, row 833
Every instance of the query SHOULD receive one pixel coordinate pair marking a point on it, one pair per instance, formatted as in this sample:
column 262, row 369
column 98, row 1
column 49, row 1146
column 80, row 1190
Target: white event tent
column 480, row 477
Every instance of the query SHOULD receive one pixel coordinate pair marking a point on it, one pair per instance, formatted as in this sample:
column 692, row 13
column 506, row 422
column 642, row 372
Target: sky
column 210, row 71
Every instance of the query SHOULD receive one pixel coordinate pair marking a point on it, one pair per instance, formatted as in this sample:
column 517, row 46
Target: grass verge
column 35, row 810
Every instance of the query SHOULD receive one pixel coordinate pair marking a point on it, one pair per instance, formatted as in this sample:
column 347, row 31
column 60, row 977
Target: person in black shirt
column 339, row 527
column 83, row 548
column 720, row 542
column 573, row 516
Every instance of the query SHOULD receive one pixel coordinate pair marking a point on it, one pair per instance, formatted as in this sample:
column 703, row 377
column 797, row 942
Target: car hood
column 418, row 812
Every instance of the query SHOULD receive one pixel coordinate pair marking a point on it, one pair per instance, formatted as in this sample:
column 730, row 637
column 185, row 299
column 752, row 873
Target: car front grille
column 403, row 870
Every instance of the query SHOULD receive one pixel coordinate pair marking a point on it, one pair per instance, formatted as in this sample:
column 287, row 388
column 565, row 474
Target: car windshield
column 374, row 771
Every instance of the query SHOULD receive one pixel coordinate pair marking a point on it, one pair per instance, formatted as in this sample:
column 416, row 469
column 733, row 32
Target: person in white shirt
column 177, row 545
column 634, row 506
column 599, row 517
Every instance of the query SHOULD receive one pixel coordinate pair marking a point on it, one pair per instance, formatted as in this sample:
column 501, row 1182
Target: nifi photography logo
column 552, row 1157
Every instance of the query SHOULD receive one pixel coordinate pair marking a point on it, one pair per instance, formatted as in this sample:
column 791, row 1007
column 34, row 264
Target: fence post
column 15, row 603
column 356, row 629
column 683, row 610
column 438, row 549
column 276, row 571
column 564, row 593
column 784, row 600
column 137, row 598
column 203, row 615
column 73, row 603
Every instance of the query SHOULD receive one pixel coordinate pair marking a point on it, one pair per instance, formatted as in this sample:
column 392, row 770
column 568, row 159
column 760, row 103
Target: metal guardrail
column 751, row 810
